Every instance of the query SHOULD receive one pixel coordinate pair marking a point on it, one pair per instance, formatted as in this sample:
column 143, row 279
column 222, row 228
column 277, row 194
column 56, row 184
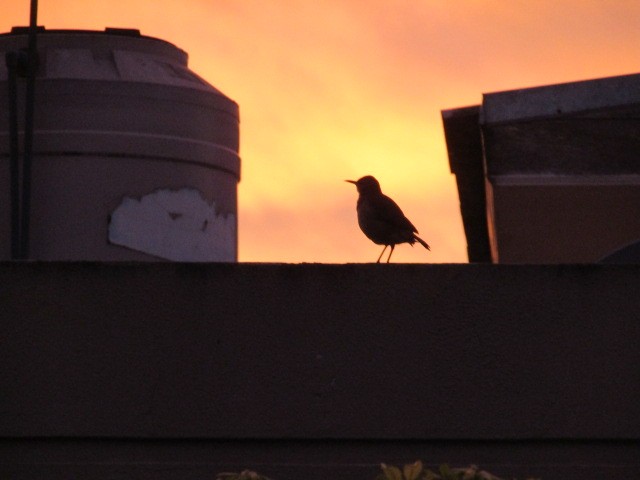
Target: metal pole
column 28, row 129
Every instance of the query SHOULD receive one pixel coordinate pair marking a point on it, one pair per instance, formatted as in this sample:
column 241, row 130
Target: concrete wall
column 549, row 175
column 317, row 371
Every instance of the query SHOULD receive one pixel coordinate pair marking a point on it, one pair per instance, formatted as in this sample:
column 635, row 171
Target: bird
column 381, row 219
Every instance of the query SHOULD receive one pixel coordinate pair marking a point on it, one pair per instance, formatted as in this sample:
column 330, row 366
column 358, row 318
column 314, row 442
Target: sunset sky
column 338, row 89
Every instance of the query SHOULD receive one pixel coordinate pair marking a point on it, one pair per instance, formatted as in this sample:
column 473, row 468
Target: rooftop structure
column 135, row 157
column 549, row 174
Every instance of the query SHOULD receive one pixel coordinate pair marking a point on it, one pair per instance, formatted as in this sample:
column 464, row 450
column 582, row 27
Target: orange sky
column 339, row 89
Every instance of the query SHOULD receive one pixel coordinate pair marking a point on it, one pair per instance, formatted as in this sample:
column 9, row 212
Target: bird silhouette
column 381, row 219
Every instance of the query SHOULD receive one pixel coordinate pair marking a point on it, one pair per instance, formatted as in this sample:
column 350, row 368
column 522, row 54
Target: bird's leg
column 389, row 257
column 385, row 247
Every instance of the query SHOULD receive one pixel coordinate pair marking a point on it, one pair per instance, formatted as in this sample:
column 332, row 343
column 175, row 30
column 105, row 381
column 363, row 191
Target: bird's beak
column 352, row 181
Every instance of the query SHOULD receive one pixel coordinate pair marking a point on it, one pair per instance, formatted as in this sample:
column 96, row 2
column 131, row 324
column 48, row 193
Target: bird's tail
column 422, row 242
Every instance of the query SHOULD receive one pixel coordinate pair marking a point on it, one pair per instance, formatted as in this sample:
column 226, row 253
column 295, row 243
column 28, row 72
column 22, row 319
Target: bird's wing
column 389, row 212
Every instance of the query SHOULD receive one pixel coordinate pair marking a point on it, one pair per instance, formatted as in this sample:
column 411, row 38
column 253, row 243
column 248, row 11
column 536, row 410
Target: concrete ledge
column 560, row 99
column 335, row 353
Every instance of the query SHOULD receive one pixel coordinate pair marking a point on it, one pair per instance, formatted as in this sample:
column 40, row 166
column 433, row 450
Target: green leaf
column 244, row 475
column 469, row 473
column 447, row 473
column 391, row 472
column 487, row 476
column 429, row 475
column 412, row 470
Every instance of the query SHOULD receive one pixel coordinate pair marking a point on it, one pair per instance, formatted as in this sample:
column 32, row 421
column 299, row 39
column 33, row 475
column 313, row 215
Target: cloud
column 336, row 89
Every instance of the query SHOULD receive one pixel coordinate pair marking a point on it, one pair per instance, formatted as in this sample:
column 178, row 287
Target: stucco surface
column 319, row 351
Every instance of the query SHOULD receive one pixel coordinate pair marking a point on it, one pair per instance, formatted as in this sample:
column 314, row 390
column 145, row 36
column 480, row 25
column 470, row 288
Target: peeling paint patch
column 178, row 225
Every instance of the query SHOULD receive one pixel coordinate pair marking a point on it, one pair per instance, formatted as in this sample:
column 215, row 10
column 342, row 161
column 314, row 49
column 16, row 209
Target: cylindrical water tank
column 135, row 157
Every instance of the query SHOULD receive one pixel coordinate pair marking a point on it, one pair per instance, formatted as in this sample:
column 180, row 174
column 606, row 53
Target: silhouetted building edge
column 560, row 175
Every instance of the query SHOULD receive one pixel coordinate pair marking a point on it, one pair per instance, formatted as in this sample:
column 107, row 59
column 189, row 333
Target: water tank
column 135, row 157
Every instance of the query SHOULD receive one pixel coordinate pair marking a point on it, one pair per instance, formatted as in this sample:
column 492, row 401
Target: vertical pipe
column 14, row 188
column 28, row 130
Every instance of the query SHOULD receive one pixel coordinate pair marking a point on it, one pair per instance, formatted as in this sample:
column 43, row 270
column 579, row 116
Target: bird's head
column 366, row 185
